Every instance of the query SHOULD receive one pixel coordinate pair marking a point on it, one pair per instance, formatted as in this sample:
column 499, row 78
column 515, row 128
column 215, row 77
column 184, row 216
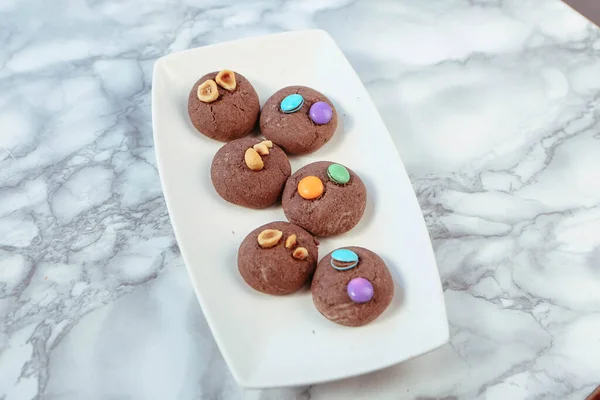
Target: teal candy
column 338, row 173
column 292, row 103
column 344, row 256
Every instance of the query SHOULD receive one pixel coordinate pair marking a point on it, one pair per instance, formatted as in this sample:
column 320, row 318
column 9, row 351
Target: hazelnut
column 300, row 253
column 207, row 91
column 269, row 238
column 226, row 79
column 290, row 241
column 261, row 149
column 253, row 160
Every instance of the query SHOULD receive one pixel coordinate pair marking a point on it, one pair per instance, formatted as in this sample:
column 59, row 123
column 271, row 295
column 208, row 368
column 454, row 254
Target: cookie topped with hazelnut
column 278, row 258
column 250, row 172
column 299, row 119
column 223, row 105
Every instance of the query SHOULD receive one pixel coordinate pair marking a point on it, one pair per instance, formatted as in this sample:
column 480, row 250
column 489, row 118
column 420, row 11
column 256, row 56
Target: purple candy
column 360, row 290
column 320, row 113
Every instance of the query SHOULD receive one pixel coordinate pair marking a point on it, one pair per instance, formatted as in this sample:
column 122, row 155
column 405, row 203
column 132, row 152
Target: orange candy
column 310, row 187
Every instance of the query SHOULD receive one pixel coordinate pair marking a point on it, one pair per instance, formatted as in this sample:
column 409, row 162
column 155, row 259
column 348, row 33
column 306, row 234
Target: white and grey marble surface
column 494, row 107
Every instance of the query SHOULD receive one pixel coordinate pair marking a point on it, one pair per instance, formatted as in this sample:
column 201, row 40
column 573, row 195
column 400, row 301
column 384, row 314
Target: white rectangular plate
column 283, row 341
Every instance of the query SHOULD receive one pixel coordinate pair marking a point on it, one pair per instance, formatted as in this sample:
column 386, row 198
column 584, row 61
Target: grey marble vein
column 493, row 105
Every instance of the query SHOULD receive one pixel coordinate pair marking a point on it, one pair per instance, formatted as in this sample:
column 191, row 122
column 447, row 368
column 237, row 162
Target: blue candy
column 344, row 259
column 292, row 103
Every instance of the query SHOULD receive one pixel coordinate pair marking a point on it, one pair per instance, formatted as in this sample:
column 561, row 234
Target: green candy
column 338, row 173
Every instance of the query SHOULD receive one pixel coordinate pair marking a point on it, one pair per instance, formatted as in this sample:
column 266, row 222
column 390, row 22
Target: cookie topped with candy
column 324, row 198
column 299, row 119
column 352, row 286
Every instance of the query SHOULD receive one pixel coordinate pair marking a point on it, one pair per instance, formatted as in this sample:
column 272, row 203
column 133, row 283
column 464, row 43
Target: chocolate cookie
column 299, row 119
column 352, row 286
column 247, row 177
column 227, row 112
column 324, row 198
column 278, row 258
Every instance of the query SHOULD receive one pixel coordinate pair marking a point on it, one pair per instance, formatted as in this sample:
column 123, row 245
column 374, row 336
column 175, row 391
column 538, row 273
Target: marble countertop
column 494, row 107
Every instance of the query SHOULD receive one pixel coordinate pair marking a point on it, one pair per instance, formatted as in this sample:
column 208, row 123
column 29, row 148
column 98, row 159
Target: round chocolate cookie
column 236, row 182
column 295, row 129
column 352, row 286
column 278, row 258
column 231, row 115
column 324, row 198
